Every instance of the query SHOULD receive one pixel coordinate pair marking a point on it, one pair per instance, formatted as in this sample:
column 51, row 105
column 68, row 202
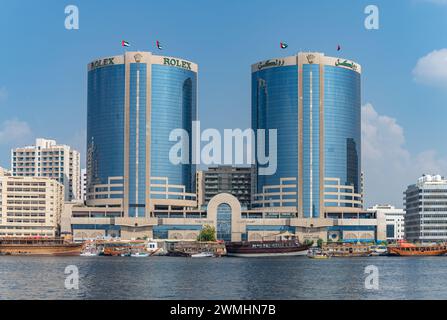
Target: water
column 222, row 278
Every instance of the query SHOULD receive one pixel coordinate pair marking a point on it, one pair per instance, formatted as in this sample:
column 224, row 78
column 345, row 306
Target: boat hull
column 22, row 250
column 259, row 255
column 346, row 250
column 349, row 255
column 123, row 248
column 266, row 249
column 318, row 257
column 404, row 253
column 199, row 255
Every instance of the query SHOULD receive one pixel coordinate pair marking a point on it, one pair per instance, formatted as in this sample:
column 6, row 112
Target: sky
column 43, row 68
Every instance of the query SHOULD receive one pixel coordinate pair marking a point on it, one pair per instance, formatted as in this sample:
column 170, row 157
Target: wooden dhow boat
column 410, row 249
column 346, row 249
column 266, row 248
column 37, row 246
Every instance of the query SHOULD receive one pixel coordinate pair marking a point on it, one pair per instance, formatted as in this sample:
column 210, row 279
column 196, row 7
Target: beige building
column 390, row 221
column 5, row 172
column 183, row 219
column 30, row 206
column 200, row 188
column 48, row 159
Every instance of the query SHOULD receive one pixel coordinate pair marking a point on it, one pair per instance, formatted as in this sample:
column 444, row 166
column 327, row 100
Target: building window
column 390, row 231
column 224, row 222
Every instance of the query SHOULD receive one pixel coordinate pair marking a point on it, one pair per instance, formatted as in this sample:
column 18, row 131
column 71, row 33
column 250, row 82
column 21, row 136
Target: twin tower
column 313, row 101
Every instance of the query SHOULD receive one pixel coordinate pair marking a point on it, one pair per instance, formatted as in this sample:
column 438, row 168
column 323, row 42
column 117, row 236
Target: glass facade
column 390, row 231
column 330, row 127
column 172, row 105
column 105, row 124
column 275, row 106
column 342, row 120
column 223, row 222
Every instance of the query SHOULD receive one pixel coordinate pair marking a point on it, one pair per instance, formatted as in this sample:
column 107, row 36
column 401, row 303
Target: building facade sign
column 177, row 63
column 346, row 64
column 270, row 63
column 101, row 63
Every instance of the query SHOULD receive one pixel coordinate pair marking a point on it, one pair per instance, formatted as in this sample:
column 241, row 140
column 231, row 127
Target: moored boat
column 379, row 250
column 153, row 249
column 39, row 247
column 410, row 249
column 122, row 248
column 183, row 248
column 203, row 255
column 88, row 254
column 140, row 255
column 89, row 250
column 346, row 249
column 317, row 253
column 266, row 248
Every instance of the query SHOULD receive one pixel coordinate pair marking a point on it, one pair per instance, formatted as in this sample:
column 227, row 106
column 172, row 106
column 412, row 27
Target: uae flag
column 159, row 45
column 125, row 44
column 283, row 45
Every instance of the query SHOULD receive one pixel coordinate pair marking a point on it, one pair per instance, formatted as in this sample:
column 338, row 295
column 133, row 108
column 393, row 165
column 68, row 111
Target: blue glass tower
column 313, row 101
column 134, row 102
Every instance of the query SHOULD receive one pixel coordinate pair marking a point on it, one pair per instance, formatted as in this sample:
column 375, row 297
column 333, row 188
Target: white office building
column 49, row 160
column 426, row 209
column 391, row 220
column 30, row 206
column 83, row 184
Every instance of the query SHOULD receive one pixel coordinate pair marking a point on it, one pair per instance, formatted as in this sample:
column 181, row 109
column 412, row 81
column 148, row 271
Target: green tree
column 208, row 233
column 308, row 242
column 320, row 242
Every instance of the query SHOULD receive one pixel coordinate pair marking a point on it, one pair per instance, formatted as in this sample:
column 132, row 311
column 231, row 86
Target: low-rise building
column 353, row 225
column 227, row 179
column 391, row 220
column 183, row 220
column 30, row 206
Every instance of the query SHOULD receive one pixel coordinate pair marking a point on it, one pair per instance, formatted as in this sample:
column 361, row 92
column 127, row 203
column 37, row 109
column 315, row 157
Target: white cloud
column 14, row 131
column 388, row 166
column 432, row 69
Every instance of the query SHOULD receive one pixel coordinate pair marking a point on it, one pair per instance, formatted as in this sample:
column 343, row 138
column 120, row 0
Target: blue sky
column 43, row 68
